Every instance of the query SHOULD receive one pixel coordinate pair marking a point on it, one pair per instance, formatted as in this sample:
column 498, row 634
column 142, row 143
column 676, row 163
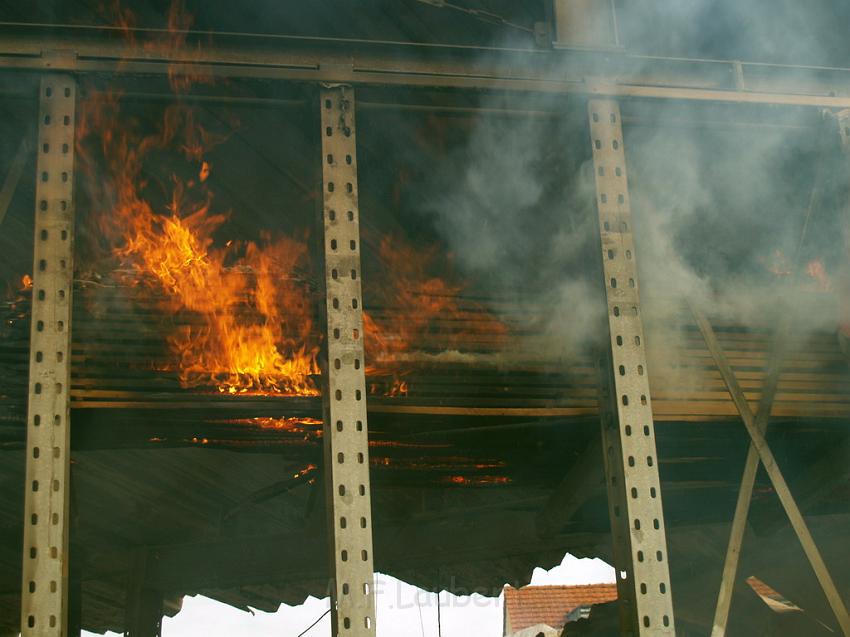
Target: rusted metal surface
column 345, row 430
column 44, row 593
column 628, row 432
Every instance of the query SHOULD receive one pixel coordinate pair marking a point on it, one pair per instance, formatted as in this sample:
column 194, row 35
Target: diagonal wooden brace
column 772, row 468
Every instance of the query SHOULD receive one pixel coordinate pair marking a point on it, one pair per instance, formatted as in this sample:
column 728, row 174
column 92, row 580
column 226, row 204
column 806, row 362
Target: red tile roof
column 550, row 605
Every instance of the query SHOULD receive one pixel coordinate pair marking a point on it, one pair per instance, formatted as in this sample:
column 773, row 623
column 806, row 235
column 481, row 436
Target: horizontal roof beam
column 572, row 71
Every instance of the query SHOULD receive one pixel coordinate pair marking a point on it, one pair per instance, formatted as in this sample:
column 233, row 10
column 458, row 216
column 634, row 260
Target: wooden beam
column 776, row 477
column 582, row 481
column 13, row 176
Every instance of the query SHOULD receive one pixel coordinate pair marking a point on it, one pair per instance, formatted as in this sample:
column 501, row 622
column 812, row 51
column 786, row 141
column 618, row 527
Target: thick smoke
column 720, row 197
column 513, row 205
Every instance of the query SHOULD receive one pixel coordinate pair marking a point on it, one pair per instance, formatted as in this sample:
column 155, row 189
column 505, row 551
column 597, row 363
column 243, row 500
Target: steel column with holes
column 345, row 432
column 44, row 595
column 631, row 466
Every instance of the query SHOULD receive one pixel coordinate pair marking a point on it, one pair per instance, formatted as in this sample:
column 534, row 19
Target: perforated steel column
column 634, row 491
column 44, row 597
column 345, row 432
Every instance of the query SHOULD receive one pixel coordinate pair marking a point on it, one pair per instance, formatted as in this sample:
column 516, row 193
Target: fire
column 477, row 481
column 422, row 298
column 240, row 314
column 817, row 272
column 243, row 315
column 399, row 388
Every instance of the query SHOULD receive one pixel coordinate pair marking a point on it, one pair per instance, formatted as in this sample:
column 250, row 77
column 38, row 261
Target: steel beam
column 82, row 49
column 143, row 603
column 631, row 461
column 346, row 441
column 44, row 596
column 775, row 475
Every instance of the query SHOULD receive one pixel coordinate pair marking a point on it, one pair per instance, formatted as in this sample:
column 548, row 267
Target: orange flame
column 244, row 319
column 421, row 303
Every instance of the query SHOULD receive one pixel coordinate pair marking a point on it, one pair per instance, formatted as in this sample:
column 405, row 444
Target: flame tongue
column 250, row 322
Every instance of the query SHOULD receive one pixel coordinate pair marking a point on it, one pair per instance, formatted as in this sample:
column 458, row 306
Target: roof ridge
column 561, row 586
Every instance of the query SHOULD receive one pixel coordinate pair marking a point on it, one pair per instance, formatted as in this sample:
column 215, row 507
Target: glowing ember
column 296, row 425
column 477, row 481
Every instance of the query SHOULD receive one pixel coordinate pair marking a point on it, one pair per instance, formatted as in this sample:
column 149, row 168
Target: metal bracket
column 346, row 440
column 631, row 465
column 44, row 596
